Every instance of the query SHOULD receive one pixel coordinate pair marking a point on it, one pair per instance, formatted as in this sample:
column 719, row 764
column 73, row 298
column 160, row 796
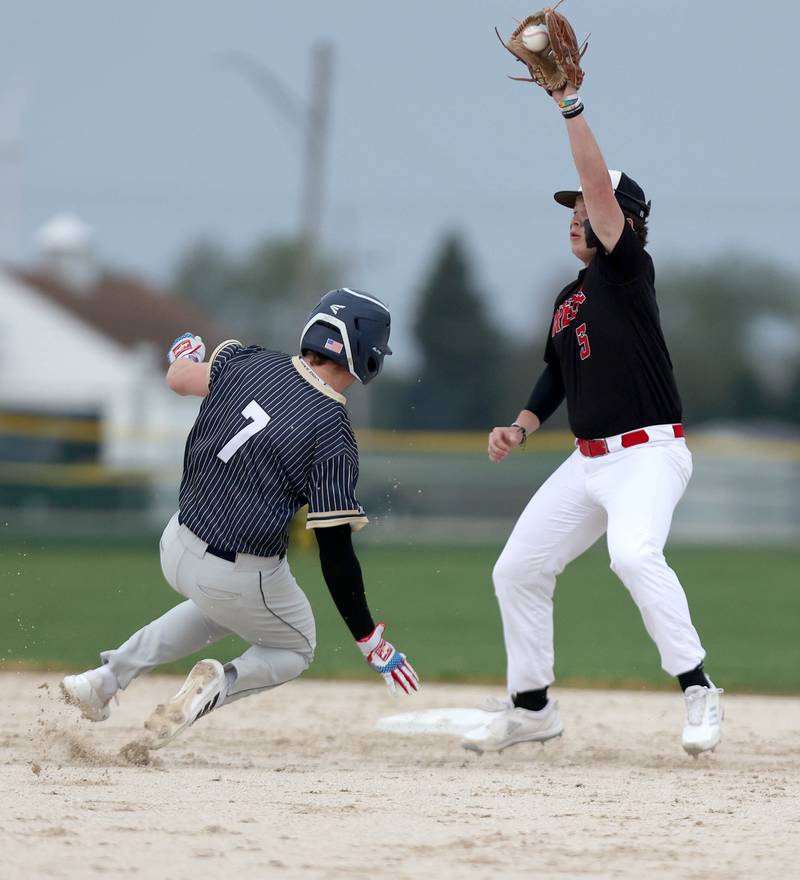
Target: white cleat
column 702, row 729
column 201, row 692
column 515, row 725
column 78, row 691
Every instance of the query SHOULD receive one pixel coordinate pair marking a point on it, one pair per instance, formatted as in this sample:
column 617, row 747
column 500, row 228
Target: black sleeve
column 627, row 261
column 342, row 574
column 547, row 393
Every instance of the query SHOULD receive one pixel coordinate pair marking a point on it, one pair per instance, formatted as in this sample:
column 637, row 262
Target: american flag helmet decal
column 351, row 328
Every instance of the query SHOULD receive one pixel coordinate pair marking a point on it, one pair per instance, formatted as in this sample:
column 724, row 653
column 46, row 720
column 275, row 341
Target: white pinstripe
column 307, row 453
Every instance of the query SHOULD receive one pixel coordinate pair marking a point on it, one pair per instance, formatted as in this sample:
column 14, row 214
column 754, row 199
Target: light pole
column 12, row 104
column 310, row 118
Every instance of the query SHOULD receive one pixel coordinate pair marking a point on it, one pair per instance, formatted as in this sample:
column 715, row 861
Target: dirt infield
column 295, row 784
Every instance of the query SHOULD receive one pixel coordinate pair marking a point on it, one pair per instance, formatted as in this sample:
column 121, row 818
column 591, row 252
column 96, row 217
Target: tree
column 733, row 329
column 203, row 274
column 462, row 350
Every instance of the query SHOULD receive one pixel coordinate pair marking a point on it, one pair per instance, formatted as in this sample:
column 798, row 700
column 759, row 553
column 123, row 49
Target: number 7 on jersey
column 259, row 421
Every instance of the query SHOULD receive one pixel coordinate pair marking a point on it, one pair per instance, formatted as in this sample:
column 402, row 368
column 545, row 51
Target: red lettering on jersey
column 585, row 349
column 566, row 313
column 557, row 316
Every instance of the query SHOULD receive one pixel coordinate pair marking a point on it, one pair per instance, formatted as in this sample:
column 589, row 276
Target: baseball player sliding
column 605, row 353
column 272, row 435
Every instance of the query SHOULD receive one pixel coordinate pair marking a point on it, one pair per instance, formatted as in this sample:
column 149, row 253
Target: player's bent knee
column 308, row 658
column 511, row 575
column 505, row 575
column 312, row 648
column 293, row 664
column 630, row 562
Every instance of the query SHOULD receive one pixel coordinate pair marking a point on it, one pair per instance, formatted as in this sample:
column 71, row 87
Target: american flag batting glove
column 187, row 346
column 387, row 661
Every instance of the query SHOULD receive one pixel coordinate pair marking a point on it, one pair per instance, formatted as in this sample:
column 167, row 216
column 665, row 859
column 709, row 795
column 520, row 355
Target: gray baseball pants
column 255, row 597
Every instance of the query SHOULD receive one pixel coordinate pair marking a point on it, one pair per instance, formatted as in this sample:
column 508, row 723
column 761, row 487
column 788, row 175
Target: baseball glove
column 558, row 64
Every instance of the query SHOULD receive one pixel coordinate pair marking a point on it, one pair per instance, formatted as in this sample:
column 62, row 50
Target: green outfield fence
column 57, row 476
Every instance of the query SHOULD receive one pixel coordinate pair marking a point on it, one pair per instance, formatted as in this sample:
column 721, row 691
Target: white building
column 76, row 341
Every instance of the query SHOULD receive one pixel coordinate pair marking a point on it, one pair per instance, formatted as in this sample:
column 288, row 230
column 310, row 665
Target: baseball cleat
column 515, row 725
column 702, row 729
column 201, row 692
column 77, row 690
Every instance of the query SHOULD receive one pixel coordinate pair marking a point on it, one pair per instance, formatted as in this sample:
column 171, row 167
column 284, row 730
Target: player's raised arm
column 546, row 44
column 187, row 374
column 605, row 215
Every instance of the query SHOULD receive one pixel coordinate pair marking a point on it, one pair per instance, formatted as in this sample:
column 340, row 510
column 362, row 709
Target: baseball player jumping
column 605, row 353
column 272, row 435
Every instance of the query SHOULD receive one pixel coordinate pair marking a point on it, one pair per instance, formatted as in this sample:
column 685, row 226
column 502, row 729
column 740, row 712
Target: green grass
column 64, row 602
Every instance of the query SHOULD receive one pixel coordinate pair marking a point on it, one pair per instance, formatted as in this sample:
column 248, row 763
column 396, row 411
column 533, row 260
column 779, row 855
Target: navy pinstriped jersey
column 269, row 438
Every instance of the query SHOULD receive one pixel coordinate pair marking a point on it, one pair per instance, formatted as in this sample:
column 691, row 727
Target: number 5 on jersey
column 583, row 340
column 258, row 422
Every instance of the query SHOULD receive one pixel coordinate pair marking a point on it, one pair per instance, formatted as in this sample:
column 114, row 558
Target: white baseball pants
column 255, row 597
column 631, row 495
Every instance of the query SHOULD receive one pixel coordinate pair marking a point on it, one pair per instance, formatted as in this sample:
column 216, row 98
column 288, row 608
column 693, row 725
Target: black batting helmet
column 351, row 328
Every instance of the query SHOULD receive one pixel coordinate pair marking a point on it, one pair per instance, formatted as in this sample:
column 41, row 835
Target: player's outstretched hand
column 388, row 662
column 502, row 441
column 187, row 346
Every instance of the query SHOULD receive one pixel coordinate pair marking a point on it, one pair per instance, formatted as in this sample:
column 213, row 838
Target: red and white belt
column 593, row 448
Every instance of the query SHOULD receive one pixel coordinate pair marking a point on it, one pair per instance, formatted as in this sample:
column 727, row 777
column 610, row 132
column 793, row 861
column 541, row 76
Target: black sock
column 535, row 701
column 693, row 677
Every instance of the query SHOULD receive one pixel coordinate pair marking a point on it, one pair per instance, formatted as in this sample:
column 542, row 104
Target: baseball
column 535, row 37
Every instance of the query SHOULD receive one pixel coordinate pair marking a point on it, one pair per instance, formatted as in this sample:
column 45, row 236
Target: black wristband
column 571, row 106
column 571, row 114
column 522, row 431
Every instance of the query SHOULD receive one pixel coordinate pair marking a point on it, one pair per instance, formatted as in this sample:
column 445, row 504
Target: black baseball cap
column 628, row 192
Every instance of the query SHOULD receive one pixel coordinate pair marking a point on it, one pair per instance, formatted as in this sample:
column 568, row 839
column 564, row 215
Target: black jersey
column 606, row 341
column 269, row 438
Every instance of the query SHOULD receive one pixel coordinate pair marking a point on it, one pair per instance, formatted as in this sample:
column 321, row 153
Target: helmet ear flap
column 374, row 366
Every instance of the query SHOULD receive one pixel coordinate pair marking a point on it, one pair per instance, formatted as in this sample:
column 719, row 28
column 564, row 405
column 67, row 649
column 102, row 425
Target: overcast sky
column 127, row 119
